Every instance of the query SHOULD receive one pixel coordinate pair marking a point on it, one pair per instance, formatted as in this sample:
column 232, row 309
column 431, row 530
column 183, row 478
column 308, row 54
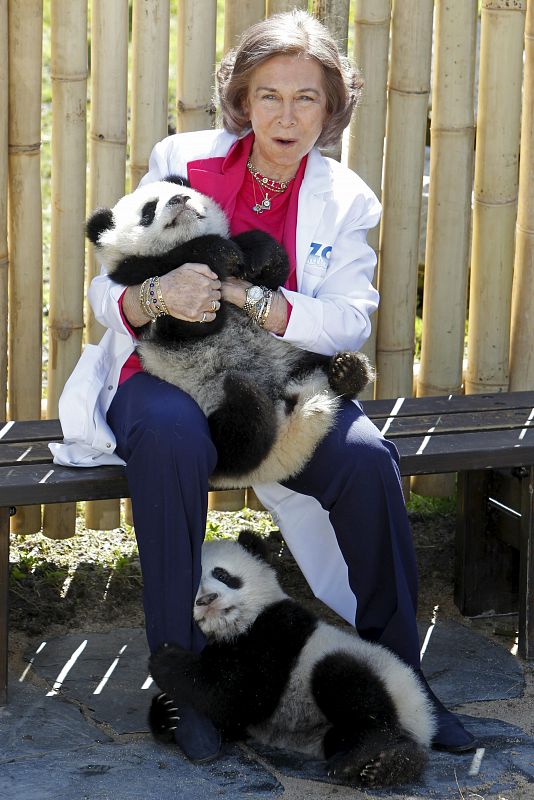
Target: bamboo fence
column 238, row 16
column 372, row 20
column 108, row 137
column 495, row 195
column 398, row 48
column 449, row 210
column 25, row 22
column 69, row 143
column 522, row 331
column 195, row 65
column 150, row 76
column 4, row 94
column 409, row 88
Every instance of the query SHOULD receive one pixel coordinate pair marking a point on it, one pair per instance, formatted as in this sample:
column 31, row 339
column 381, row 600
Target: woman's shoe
column 195, row 734
column 450, row 736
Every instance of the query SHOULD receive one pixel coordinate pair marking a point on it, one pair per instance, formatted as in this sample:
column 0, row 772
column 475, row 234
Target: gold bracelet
column 144, row 301
column 266, row 307
column 161, row 304
column 151, row 299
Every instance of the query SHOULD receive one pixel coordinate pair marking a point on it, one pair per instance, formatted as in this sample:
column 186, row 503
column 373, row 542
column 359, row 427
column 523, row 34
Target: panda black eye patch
column 148, row 213
column 232, row 581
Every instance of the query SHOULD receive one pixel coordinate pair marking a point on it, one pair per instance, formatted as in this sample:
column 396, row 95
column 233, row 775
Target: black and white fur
column 273, row 671
column 268, row 403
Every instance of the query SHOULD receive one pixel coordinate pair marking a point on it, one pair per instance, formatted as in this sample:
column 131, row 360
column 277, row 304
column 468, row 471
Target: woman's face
column 286, row 103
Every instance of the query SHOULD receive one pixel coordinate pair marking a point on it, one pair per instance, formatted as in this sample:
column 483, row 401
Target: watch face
column 254, row 293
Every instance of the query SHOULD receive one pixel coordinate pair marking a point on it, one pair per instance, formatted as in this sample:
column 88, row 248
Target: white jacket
column 331, row 311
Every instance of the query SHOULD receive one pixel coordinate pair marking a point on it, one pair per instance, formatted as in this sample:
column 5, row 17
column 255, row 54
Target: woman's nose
column 287, row 115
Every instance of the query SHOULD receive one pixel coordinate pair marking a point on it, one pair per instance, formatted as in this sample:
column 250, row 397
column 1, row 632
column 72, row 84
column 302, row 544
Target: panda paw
column 163, row 717
column 349, row 373
column 398, row 762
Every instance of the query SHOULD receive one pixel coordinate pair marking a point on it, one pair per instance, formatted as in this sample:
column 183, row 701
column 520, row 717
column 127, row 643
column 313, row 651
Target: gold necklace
column 266, row 185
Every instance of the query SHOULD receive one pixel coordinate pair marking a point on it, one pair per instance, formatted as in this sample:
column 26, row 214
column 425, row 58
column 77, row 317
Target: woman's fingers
column 192, row 292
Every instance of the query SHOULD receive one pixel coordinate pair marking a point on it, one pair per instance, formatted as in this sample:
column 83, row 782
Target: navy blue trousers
column 164, row 438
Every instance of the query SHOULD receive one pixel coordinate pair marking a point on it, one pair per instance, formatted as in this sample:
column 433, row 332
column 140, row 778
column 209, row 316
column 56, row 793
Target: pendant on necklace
column 265, row 205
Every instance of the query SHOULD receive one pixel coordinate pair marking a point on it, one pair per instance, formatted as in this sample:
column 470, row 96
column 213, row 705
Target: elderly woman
column 284, row 91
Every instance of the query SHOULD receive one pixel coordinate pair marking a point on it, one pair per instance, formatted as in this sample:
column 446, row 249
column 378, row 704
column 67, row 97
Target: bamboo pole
column 366, row 143
column 195, row 65
column 150, row 93
column 25, row 25
column 109, row 84
column 4, row 262
column 409, row 86
column 522, row 330
column 150, row 81
column 238, row 16
column 449, row 211
column 67, row 253
column 280, row 6
column 335, row 15
column 495, row 196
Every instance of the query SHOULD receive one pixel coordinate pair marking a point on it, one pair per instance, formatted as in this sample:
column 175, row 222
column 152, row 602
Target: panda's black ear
column 99, row 221
column 253, row 543
column 179, row 180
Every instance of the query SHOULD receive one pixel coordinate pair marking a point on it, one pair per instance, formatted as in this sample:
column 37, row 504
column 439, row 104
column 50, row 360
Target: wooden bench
column 487, row 439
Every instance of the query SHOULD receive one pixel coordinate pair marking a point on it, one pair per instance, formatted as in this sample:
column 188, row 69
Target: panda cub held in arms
column 273, row 671
column 268, row 403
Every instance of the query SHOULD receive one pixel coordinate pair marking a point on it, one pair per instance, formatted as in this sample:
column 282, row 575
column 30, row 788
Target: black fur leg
column 381, row 759
column 349, row 373
column 163, row 717
column 353, row 698
column 365, row 745
column 243, row 429
column 265, row 260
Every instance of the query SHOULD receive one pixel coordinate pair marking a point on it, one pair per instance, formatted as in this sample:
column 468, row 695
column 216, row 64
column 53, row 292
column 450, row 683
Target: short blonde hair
column 292, row 33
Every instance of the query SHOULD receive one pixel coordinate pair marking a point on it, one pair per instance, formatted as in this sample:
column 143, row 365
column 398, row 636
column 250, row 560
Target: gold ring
column 214, row 305
column 204, row 317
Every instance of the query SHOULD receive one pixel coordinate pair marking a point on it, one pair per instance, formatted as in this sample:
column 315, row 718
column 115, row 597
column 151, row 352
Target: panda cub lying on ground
column 273, row 671
column 268, row 403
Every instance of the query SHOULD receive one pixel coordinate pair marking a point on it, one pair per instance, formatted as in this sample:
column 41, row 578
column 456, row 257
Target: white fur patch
column 172, row 225
column 234, row 610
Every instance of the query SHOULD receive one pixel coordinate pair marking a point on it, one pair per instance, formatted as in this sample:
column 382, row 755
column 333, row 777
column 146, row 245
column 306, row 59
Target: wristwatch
column 253, row 298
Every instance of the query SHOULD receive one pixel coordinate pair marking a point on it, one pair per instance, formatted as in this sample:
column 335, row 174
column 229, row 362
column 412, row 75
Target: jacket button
column 108, row 444
column 110, row 387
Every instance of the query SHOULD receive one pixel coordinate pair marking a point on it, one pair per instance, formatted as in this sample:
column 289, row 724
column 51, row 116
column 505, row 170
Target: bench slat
column 462, row 422
column 417, row 406
column 42, row 430
column 460, row 452
column 24, row 452
column 27, row 484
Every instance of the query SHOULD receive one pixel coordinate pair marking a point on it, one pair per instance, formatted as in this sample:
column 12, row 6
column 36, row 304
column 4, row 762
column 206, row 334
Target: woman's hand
column 233, row 290
column 192, row 292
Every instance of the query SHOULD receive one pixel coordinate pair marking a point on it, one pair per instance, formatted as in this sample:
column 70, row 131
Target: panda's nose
column 178, row 200
column 206, row 599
